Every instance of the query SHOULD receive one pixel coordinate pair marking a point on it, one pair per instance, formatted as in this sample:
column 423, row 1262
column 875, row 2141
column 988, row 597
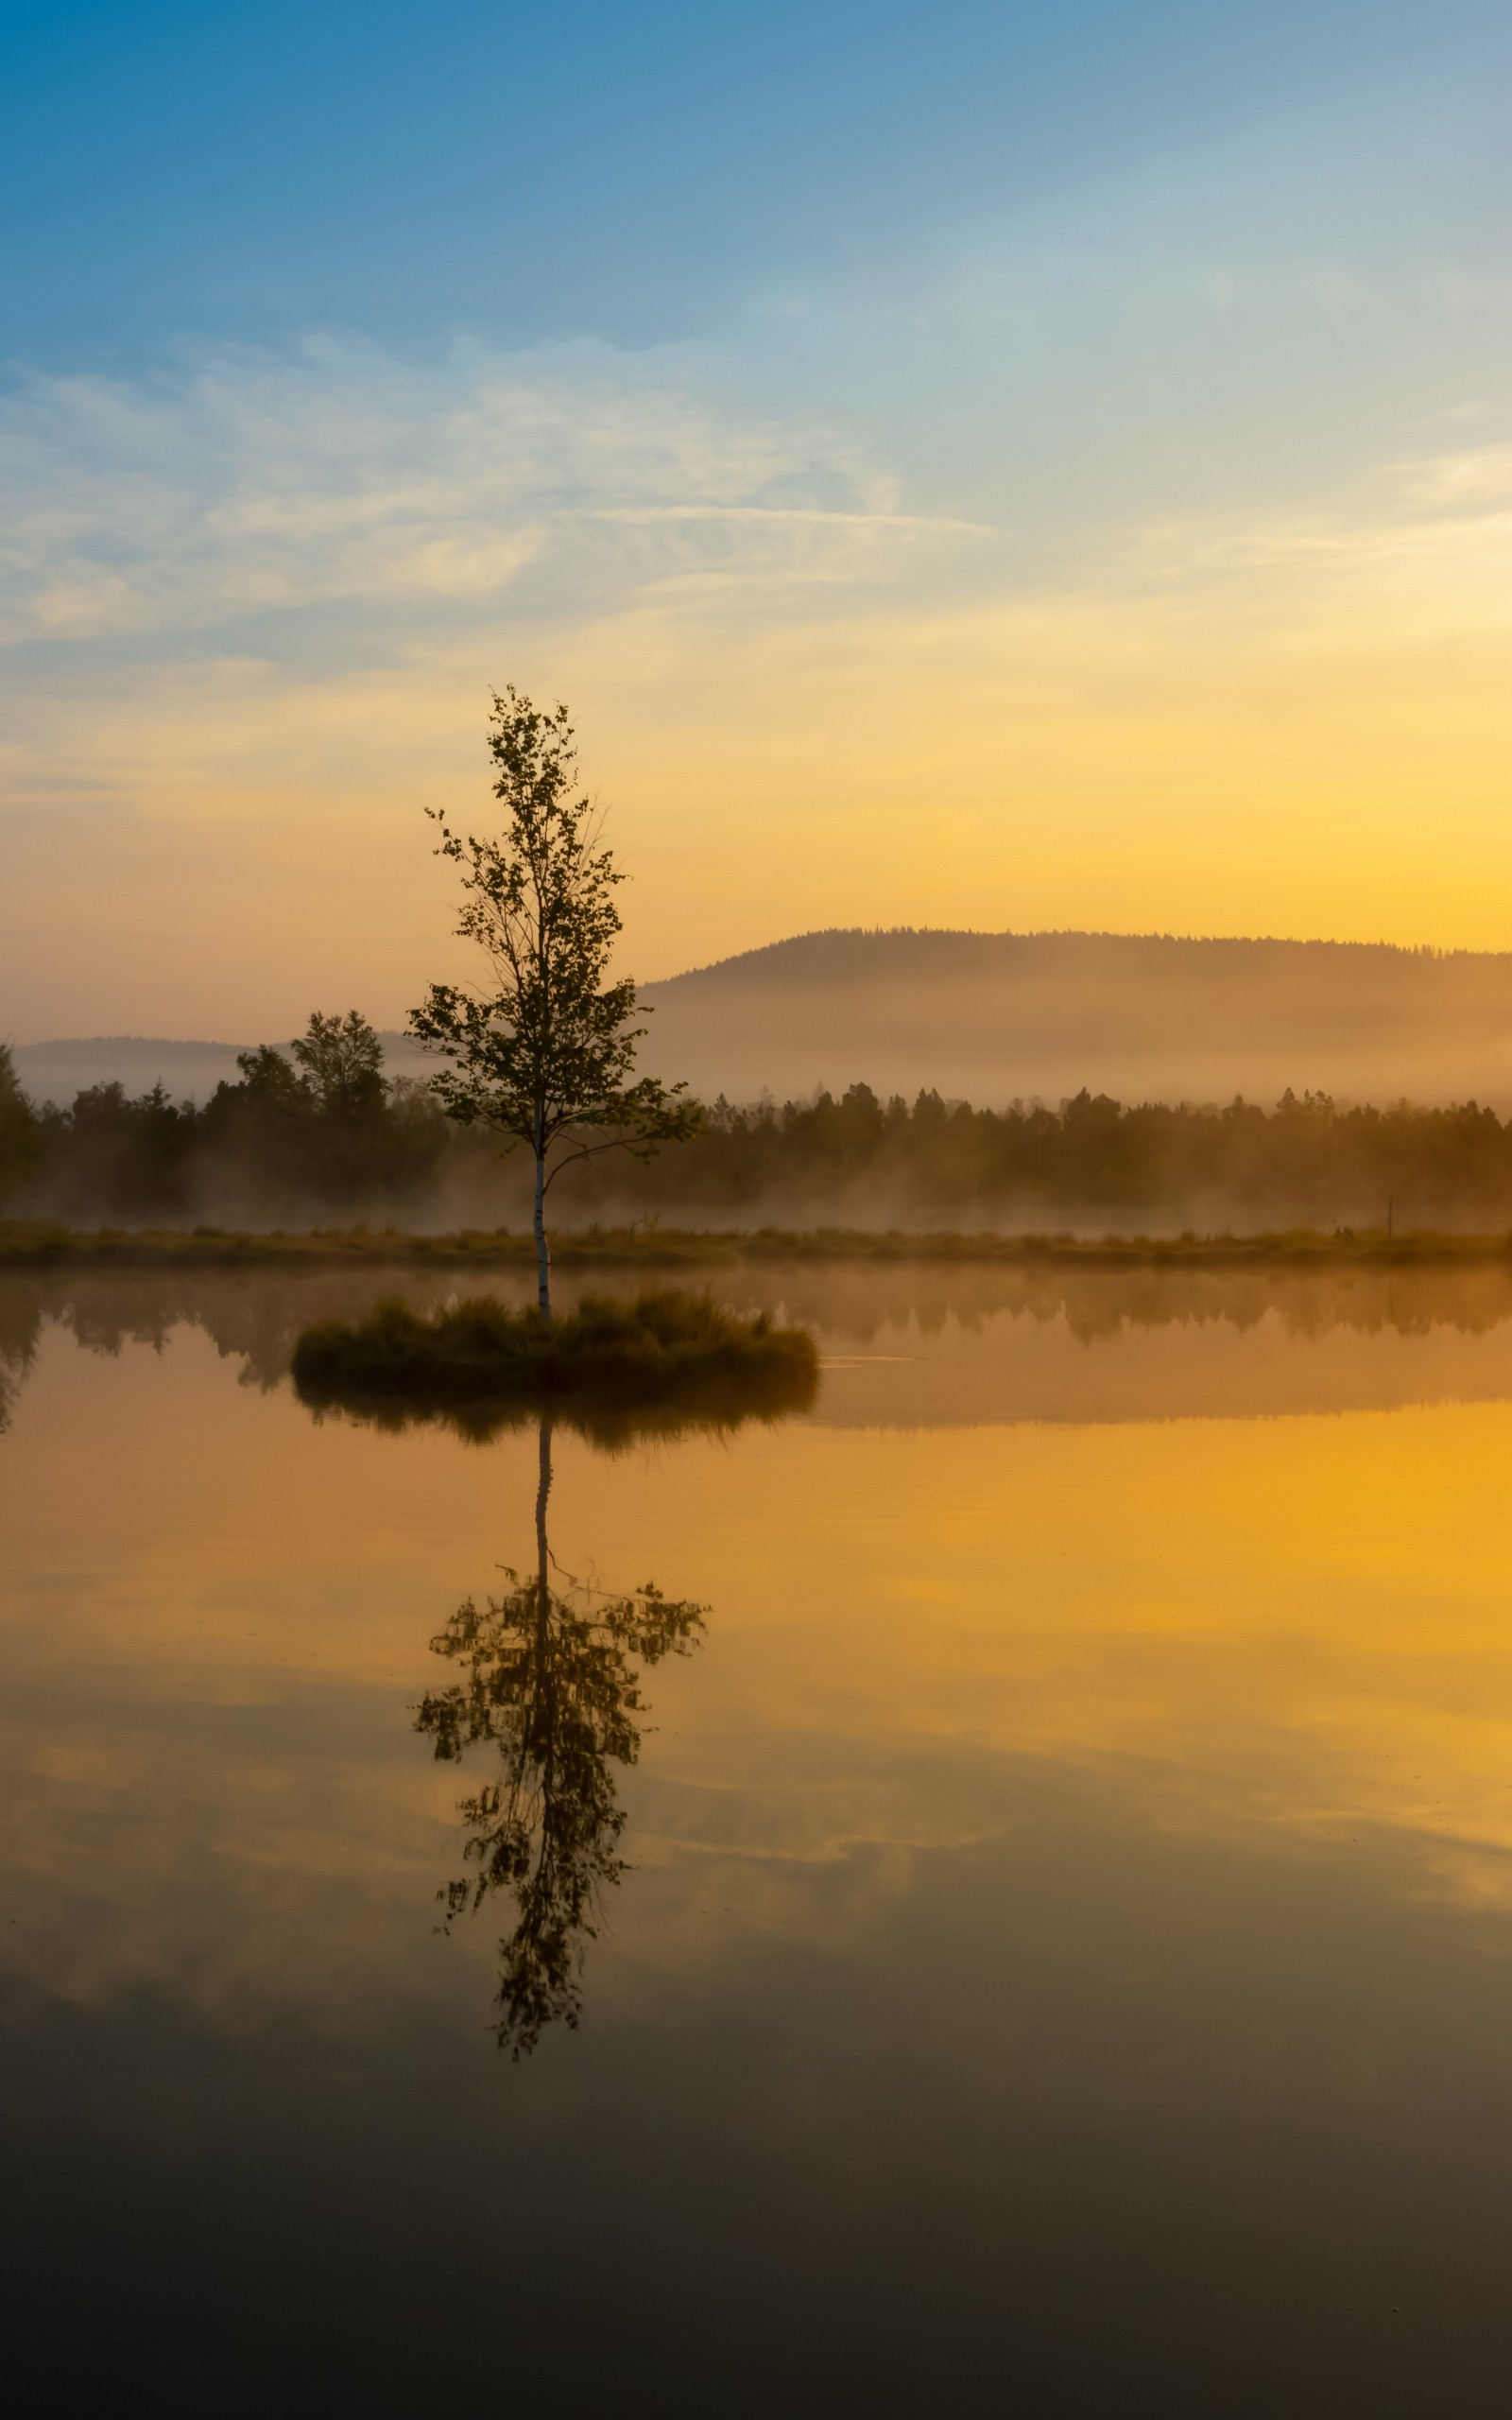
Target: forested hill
column 993, row 1016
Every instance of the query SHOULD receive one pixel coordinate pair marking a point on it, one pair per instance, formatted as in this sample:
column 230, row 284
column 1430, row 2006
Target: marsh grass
column 47, row 1243
column 665, row 1361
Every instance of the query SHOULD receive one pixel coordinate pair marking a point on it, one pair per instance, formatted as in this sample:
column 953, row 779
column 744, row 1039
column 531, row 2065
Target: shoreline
column 46, row 1243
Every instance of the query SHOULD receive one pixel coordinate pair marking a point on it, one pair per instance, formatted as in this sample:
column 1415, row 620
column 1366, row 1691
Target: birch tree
column 542, row 1050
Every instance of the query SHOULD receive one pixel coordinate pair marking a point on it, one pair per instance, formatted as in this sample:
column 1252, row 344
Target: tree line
column 319, row 1131
column 863, row 1159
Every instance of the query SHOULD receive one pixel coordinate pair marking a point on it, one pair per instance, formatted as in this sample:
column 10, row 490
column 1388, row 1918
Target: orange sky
column 1283, row 748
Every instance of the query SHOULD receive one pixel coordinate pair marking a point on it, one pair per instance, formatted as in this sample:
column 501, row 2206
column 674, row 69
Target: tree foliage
column 21, row 1140
column 543, row 1050
column 342, row 1060
column 307, row 1130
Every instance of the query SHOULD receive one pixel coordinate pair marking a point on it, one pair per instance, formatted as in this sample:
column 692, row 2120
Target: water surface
column 1063, row 1954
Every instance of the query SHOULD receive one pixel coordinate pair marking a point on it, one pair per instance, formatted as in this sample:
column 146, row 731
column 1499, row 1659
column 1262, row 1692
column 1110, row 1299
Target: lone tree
column 544, row 1052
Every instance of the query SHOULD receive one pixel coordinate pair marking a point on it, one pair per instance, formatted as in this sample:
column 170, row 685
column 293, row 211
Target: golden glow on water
column 1298, row 1621
column 217, row 1614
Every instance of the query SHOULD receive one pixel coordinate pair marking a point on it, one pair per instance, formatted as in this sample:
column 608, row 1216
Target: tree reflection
column 20, row 1326
column 549, row 1676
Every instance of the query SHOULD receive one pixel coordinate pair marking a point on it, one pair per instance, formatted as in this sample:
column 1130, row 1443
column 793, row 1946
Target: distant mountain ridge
column 838, row 942
column 992, row 1017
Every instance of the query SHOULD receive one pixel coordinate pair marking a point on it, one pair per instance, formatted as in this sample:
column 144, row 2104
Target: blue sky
column 635, row 173
column 1014, row 422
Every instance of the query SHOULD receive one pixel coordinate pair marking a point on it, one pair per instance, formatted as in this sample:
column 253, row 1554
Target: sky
column 994, row 466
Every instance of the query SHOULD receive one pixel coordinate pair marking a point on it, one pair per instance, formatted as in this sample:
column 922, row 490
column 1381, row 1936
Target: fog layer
column 989, row 1017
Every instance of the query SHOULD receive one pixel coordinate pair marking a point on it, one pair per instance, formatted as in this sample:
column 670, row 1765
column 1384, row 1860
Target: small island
column 683, row 1352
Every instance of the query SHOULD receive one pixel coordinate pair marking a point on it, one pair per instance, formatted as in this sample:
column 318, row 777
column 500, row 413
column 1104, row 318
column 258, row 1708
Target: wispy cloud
column 1430, row 554
column 1478, row 481
column 340, row 475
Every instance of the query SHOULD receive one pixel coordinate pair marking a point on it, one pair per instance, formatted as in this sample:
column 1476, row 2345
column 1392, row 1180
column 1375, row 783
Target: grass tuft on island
column 677, row 1358
column 48, row 1243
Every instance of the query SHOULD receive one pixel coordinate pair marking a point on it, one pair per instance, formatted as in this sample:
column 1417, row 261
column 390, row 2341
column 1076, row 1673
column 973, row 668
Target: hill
column 990, row 1017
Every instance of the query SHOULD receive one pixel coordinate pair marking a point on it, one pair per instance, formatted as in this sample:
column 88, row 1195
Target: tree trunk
column 542, row 1247
column 543, row 1492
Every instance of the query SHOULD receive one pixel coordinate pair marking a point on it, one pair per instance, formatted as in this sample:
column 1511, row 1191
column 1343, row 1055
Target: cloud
column 341, row 476
column 1431, row 556
column 1479, row 480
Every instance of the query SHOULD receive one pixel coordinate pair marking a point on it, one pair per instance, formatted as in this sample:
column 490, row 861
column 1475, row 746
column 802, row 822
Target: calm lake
column 1063, row 1959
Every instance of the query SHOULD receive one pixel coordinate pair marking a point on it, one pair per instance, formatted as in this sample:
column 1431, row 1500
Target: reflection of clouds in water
column 244, row 1879
column 315, row 1894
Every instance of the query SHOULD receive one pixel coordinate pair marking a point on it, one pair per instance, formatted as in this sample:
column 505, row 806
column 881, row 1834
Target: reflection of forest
column 21, row 1319
column 965, row 1343
column 549, row 1678
column 256, row 1316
